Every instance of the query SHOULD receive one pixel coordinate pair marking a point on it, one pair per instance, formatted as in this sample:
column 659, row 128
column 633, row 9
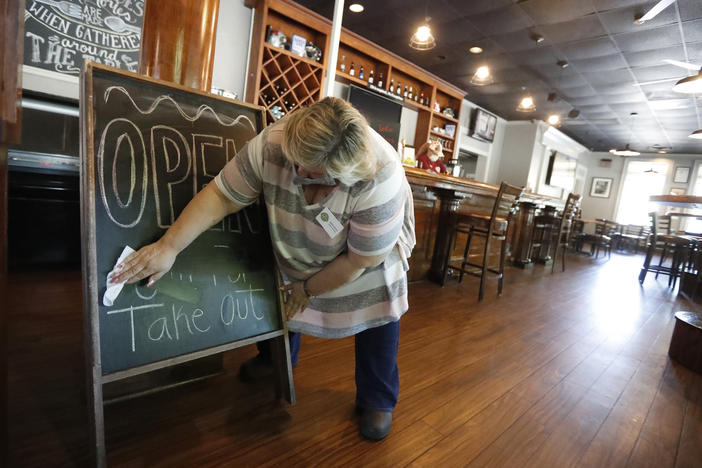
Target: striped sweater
column 377, row 218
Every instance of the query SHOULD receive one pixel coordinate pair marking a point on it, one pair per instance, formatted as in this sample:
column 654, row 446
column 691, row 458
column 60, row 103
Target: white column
column 333, row 49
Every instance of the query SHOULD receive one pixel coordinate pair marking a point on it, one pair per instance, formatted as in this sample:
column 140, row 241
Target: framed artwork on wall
column 601, row 187
column 682, row 174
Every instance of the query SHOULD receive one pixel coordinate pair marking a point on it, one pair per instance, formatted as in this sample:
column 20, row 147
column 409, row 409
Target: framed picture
column 601, row 187
column 298, row 45
column 682, row 174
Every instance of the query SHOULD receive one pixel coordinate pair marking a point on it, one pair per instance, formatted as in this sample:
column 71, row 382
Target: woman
column 342, row 225
column 429, row 158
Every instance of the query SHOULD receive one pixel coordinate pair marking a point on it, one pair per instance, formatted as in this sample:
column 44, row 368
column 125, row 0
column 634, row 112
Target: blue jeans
column 377, row 378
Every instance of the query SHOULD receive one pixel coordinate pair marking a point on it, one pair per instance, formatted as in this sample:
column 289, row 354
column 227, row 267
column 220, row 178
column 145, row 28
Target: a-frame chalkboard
column 148, row 147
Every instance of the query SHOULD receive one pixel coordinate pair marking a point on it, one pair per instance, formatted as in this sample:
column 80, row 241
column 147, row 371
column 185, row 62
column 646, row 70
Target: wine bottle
column 342, row 65
column 410, row 93
column 404, row 93
column 352, row 70
column 380, row 81
column 398, row 89
column 360, row 72
column 416, row 96
column 370, row 77
column 392, row 85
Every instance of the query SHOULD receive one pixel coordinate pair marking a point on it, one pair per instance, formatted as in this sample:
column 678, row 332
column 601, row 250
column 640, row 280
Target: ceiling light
column 562, row 64
column 662, row 152
column 554, row 120
column 475, row 50
column 538, row 38
column 481, row 77
column 422, row 39
column 689, row 85
column 526, row 104
column 624, row 152
column 356, row 7
column 697, row 134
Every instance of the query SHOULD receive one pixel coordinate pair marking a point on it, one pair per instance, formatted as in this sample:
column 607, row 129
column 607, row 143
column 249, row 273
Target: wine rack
column 287, row 82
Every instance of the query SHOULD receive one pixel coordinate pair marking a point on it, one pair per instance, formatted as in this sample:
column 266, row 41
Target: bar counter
column 438, row 198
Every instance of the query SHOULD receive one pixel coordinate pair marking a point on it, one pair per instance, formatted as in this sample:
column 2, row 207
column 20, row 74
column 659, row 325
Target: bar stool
column 565, row 226
column 492, row 227
column 545, row 224
column 679, row 246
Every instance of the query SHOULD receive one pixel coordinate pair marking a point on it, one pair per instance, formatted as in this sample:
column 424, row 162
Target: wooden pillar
column 444, row 236
column 178, row 41
column 11, row 53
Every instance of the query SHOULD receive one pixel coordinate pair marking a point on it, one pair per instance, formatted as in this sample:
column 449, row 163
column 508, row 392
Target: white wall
column 594, row 207
column 516, row 152
column 488, row 152
column 232, row 46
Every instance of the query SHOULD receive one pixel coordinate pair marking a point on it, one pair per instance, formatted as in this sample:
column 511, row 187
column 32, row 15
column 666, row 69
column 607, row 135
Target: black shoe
column 375, row 425
column 256, row 368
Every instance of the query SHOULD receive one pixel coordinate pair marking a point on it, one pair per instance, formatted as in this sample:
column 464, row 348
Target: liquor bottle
column 421, row 99
column 352, row 70
column 398, row 89
column 370, row 77
column 416, row 96
column 380, row 81
column 342, row 65
column 409, row 94
column 392, row 85
column 360, row 72
column 404, row 93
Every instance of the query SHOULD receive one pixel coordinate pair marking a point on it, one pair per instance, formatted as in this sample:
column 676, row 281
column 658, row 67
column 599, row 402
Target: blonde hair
column 331, row 135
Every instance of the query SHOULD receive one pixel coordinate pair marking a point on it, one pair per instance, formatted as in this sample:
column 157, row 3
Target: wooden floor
column 568, row 369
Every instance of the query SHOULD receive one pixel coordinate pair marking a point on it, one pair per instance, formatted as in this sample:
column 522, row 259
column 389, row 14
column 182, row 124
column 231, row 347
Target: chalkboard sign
column 382, row 114
column 147, row 148
column 59, row 35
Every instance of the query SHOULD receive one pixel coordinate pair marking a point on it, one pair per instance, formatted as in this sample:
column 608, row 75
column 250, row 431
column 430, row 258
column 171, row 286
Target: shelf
column 291, row 55
column 353, row 79
column 442, row 135
column 445, row 117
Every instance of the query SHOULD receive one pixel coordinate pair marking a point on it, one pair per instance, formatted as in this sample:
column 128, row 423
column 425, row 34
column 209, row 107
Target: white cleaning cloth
column 113, row 289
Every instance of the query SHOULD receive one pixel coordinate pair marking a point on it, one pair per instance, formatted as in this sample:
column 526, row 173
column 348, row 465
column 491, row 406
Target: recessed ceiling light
column 662, row 152
column 554, row 120
column 475, row 50
column 356, row 7
column 562, row 64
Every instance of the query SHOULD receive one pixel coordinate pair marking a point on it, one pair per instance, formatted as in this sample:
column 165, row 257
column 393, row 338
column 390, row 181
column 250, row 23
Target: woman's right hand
column 153, row 260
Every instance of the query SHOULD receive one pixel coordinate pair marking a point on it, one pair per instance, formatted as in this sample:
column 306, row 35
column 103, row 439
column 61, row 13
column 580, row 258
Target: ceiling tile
column 655, row 56
column 501, row 21
column 658, row 72
column 693, row 30
column 548, row 11
column 690, row 9
column 588, row 27
column 599, row 64
column 589, row 49
column 621, row 20
column 649, row 39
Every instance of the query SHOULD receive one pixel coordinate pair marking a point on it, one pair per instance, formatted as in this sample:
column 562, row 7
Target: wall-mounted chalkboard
column 59, row 35
column 147, row 148
column 383, row 114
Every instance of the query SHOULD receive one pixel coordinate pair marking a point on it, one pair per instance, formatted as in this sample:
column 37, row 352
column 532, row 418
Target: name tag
column 329, row 223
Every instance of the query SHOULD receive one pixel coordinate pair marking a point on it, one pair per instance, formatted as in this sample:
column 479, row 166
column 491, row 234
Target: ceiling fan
column 677, row 63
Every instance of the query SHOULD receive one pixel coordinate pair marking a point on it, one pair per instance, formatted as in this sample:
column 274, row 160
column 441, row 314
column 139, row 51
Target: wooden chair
column 492, row 227
column 678, row 244
column 605, row 231
column 631, row 237
column 565, row 227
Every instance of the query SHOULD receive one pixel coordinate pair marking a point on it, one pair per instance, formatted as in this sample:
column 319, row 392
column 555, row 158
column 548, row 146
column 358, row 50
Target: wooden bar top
column 467, row 186
column 682, row 201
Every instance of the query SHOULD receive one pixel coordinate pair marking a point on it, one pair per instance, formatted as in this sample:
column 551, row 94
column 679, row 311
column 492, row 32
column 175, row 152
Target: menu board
column 59, row 35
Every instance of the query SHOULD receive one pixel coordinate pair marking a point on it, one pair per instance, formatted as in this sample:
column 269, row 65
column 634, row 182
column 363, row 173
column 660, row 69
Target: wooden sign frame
column 284, row 387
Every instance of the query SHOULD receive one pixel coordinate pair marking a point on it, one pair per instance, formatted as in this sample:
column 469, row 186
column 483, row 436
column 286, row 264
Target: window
column 641, row 180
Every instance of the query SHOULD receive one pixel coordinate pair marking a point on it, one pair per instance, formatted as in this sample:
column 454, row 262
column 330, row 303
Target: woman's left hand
column 297, row 299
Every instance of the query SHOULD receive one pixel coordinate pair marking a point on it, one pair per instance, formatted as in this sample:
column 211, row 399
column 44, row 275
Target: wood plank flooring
column 569, row 369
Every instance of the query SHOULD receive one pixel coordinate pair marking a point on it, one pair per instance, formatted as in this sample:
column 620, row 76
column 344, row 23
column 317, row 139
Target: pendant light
column 624, row 152
column 423, row 39
column 526, row 104
column 690, row 84
column 697, row 134
column 627, row 151
column 482, row 77
column 554, row 120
